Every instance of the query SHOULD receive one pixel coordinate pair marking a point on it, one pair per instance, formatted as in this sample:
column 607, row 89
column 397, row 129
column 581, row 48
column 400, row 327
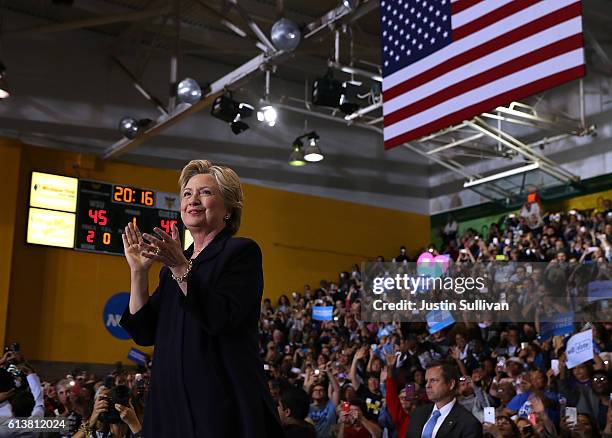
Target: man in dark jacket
column 445, row 418
column 293, row 407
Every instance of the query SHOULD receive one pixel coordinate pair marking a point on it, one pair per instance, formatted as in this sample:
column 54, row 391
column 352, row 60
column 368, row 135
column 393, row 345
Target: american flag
column 447, row 61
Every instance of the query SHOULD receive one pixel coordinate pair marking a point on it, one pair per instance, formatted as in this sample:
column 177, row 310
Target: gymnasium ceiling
column 69, row 92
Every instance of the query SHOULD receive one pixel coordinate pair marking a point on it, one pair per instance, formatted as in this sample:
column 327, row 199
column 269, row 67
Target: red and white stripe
column 502, row 50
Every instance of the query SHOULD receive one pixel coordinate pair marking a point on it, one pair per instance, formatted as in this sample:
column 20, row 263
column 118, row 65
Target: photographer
column 113, row 416
column 20, row 394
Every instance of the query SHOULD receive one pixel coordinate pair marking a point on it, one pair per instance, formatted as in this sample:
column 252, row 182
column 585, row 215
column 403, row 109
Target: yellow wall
column 10, row 156
column 586, row 202
column 57, row 295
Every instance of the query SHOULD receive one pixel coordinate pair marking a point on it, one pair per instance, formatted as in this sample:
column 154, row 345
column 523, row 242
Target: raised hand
column 169, row 249
column 361, row 353
column 128, row 416
column 134, row 248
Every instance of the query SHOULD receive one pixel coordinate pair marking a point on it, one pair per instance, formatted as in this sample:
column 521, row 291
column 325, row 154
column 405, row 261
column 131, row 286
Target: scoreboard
column 91, row 215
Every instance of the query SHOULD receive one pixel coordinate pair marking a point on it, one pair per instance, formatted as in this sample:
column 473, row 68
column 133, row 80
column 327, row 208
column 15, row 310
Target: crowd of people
column 363, row 379
column 350, row 378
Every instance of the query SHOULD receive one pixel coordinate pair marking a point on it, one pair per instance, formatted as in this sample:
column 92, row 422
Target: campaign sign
column 600, row 290
column 439, row 319
column 113, row 309
column 558, row 325
column 137, row 356
column 579, row 348
column 322, row 313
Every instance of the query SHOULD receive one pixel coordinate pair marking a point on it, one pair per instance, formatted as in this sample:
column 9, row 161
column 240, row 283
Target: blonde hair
column 229, row 186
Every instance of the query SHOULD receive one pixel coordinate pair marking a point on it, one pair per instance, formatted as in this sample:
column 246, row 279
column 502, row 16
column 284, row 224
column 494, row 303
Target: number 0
column 106, row 238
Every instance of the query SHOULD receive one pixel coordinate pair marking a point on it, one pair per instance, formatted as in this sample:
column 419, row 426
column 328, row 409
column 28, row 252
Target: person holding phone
column 203, row 317
column 400, row 403
column 354, row 424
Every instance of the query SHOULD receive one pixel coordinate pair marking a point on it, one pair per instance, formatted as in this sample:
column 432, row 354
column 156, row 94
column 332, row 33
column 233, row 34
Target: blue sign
column 137, row 356
column 600, row 290
column 113, row 309
column 559, row 325
column 322, row 313
column 439, row 319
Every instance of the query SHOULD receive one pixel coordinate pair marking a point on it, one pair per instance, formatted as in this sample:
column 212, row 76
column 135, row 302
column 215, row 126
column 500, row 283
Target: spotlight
column 188, row 91
column 313, row 153
column 326, row 91
column 296, row 158
column 227, row 109
column 4, row 90
column 285, row 35
column 267, row 114
column 350, row 4
column 131, row 128
column 349, row 101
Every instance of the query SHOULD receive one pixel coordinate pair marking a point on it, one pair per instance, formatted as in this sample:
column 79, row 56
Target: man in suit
column 445, row 418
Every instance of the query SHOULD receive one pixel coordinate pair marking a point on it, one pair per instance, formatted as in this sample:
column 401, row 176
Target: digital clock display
column 104, row 210
column 133, row 196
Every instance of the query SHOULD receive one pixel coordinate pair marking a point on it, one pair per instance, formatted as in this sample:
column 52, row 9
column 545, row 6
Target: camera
column 14, row 347
column 119, row 394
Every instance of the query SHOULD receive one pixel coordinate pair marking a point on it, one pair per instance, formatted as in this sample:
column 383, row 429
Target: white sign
column 580, row 348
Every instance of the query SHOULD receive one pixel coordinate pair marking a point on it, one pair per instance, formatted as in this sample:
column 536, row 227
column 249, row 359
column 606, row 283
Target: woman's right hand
column 134, row 246
column 101, row 405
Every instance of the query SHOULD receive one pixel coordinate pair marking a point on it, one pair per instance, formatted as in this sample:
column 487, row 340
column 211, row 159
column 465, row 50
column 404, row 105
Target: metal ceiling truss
column 269, row 56
column 479, row 139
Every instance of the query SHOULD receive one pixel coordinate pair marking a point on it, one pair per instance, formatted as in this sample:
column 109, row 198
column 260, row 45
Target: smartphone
column 533, row 418
column 489, row 415
column 524, row 345
column 317, row 372
column 528, row 430
column 463, row 251
column 266, row 367
column 346, row 407
column 554, row 365
column 495, row 241
column 571, row 415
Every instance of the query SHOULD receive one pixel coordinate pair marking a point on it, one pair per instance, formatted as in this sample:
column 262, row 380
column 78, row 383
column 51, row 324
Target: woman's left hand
column 169, row 249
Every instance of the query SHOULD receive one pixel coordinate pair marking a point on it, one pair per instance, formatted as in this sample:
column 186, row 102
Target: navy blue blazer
column 207, row 378
column 459, row 423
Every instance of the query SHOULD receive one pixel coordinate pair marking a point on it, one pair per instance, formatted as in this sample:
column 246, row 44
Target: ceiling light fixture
column 326, row 91
column 4, row 89
column 227, row 109
column 131, row 128
column 267, row 114
column 296, row 158
column 501, row 175
column 313, row 153
column 189, row 91
column 285, row 35
column 349, row 101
